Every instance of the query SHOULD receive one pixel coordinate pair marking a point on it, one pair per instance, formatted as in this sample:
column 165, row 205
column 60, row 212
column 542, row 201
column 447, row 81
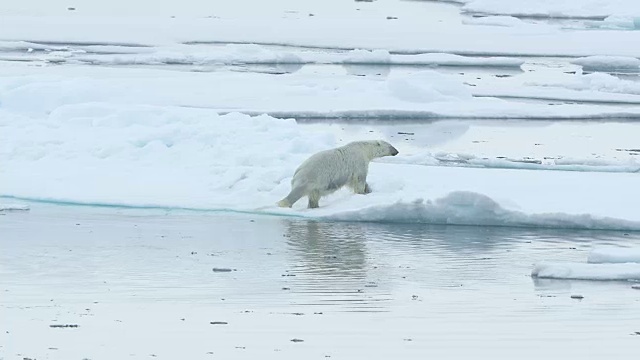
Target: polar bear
column 329, row 170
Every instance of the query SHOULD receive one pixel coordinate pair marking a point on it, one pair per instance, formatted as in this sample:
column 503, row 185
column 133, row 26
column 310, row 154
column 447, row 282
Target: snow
column 613, row 255
column 581, row 271
column 26, row 89
column 595, row 63
column 507, row 21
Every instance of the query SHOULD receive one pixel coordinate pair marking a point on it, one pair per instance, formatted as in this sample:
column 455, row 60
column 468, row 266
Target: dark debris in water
column 218, row 323
column 223, row 270
column 63, row 325
column 296, row 340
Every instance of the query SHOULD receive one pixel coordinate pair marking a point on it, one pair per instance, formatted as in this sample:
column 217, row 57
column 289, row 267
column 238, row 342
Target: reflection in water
column 330, row 265
column 328, row 249
column 365, row 266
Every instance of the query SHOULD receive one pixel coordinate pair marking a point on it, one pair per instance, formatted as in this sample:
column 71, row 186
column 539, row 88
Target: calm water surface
column 349, row 290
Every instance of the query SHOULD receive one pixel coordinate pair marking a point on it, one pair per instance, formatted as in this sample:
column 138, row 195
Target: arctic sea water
column 246, row 285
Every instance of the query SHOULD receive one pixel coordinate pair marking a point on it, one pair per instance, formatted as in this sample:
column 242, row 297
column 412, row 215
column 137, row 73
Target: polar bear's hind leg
column 295, row 195
column 314, row 198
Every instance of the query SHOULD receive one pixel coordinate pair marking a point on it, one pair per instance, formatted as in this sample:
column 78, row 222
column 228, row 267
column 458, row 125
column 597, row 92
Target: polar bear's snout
column 393, row 151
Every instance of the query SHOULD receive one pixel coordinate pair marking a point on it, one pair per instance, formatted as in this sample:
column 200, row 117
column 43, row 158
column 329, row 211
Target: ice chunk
column 507, row 21
column 580, row 271
column 614, row 255
column 13, row 207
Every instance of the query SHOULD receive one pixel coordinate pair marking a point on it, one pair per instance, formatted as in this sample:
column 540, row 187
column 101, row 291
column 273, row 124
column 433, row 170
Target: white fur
column 329, row 170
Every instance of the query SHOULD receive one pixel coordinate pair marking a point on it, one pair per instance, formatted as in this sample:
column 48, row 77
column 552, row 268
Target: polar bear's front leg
column 359, row 184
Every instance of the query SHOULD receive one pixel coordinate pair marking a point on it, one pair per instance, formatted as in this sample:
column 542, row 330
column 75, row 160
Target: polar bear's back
column 331, row 168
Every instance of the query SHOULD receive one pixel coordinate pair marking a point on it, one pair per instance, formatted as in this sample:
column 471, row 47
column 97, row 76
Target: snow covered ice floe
column 426, row 94
column 612, row 255
column 172, row 157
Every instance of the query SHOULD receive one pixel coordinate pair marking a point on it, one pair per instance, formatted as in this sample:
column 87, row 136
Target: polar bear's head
column 375, row 148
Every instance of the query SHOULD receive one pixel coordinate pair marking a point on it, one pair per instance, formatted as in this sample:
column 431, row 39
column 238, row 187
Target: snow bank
column 580, row 271
column 608, row 63
column 614, row 255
